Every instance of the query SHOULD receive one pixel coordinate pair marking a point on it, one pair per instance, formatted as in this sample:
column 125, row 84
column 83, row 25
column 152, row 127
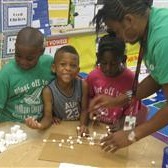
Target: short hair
column 68, row 49
column 117, row 9
column 113, row 44
column 30, row 36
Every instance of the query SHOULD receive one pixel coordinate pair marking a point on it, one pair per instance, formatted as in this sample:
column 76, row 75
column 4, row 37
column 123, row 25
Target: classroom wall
column 86, row 47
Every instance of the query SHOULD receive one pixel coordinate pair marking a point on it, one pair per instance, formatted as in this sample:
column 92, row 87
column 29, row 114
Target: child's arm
column 84, row 118
column 46, row 121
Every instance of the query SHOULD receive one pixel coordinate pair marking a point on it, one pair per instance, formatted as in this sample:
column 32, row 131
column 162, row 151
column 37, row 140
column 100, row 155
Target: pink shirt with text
column 113, row 86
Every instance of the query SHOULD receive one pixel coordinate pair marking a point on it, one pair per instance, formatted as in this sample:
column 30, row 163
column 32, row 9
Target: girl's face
column 109, row 64
column 126, row 30
column 66, row 66
column 26, row 57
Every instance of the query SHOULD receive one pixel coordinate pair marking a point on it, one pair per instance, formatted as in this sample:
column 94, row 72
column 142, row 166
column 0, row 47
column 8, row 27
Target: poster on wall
column 58, row 12
column 8, row 44
column 53, row 44
column 84, row 15
column 84, row 1
column 15, row 15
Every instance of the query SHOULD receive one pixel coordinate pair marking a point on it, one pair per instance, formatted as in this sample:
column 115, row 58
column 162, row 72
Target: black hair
column 117, row 9
column 111, row 43
column 30, row 36
column 68, row 49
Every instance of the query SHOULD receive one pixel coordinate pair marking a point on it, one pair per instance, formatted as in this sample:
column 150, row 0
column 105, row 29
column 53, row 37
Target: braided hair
column 113, row 44
column 117, row 9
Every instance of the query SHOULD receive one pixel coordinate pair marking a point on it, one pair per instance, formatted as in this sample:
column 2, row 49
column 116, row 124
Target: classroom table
column 147, row 152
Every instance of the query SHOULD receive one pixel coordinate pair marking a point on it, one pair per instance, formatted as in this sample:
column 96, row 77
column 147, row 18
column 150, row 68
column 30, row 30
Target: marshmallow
column 94, row 134
column 8, row 137
column 71, row 147
column 2, row 134
column 19, row 131
column 13, row 129
column 15, row 136
column 2, row 148
column 17, row 127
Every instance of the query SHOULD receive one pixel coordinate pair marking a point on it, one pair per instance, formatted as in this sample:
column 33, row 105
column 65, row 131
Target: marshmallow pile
column 15, row 136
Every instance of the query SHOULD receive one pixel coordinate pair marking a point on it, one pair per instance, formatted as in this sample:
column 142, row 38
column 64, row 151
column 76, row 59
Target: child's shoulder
column 79, row 82
column 95, row 74
column 129, row 72
column 46, row 58
column 95, row 71
column 8, row 66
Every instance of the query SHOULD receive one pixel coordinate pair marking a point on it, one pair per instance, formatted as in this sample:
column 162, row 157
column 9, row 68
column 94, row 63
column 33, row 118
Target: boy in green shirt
column 22, row 79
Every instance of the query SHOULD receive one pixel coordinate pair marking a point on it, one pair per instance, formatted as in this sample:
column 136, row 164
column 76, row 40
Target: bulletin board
column 83, row 38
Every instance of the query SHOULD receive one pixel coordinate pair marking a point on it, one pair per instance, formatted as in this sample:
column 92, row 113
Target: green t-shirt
column 156, row 53
column 20, row 90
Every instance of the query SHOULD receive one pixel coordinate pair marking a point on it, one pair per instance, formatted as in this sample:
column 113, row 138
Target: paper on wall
column 85, row 14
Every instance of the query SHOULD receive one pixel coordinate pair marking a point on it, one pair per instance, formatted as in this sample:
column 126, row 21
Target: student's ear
column 78, row 69
column 53, row 68
column 16, row 45
column 42, row 51
column 77, row 72
column 129, row 20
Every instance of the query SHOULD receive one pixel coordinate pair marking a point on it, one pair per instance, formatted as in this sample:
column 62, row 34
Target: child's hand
column 32, row 123
column 95, row 119
column 95, row 116
column 101, row 101
column 83, row 130
column 115, row 127
column 56, row 120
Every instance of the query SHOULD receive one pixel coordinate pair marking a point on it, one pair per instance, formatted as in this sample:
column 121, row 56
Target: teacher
column 136, row 21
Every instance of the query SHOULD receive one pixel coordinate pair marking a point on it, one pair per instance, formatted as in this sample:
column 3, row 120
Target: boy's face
column 66, row 66
column 26, row 57
column 109, row 64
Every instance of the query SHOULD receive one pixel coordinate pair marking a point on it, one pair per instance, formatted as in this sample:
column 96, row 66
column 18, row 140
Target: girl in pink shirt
column 112, row 77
